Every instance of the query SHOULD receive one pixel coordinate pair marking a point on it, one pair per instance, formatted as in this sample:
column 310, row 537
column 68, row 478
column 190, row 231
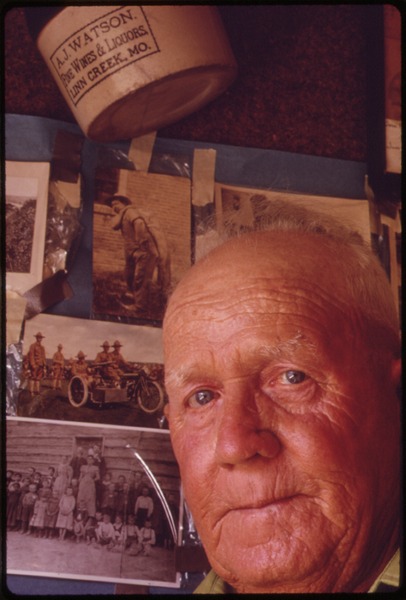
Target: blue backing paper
column 32, row 139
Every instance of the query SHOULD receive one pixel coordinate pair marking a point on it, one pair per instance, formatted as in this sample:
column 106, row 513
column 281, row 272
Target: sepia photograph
column 92, row 502
column 26, row 213
column 240, row 209
column 141, row 242
column 93, row 371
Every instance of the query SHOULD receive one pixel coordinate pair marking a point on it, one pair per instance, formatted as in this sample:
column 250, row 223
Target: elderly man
column 282, row 369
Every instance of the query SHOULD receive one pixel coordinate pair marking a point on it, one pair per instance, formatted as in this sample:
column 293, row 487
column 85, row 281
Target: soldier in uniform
column 103, row 358
column 104, row 355
column 80, row 366
column 120, row 365
column 37, row 362
column 58, row 363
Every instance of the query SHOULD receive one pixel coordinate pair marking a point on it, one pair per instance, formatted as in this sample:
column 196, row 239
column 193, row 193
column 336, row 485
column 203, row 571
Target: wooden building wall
column 108, row 248
column 41, row 444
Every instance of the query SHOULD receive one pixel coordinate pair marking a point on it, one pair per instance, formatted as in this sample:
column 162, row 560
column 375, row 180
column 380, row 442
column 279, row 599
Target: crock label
column 96, row 51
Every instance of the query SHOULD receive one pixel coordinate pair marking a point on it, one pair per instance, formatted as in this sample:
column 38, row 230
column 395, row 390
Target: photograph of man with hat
column 147, row 263
column 58, row 363
column 37, row 363
column 80, row 366
column 119, row 364
column 103, row 359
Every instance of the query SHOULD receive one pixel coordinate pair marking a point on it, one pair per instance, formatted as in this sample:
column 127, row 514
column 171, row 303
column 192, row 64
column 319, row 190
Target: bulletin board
column 189, row 186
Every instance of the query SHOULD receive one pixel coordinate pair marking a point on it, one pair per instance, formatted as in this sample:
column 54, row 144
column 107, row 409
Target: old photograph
column 141, row 242
column 240, row 209
column 26, row 212
column 93, row 371
column 92, row 502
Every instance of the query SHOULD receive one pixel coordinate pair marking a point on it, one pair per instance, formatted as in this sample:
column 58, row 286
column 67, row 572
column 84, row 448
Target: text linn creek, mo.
column 101, row 48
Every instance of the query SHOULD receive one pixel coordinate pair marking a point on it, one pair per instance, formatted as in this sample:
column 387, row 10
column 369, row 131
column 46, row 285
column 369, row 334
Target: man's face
column 287, row 452
column 117, row 206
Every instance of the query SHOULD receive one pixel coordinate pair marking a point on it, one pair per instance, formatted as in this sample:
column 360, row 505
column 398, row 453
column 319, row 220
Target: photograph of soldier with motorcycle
column 69, row 373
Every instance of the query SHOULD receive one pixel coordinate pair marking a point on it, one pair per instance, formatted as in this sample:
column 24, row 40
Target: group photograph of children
column 95, row 512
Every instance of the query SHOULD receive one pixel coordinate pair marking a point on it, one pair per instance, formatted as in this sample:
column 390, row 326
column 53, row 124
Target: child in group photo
column 28, row 503
column 131, row 536
column 14, row 490
column 79, row 526
column 37, row 522
column 64, row 521
column 105, row 531
column 39, row 505
column 90, row 529
column 51, row 515
column 146, row 538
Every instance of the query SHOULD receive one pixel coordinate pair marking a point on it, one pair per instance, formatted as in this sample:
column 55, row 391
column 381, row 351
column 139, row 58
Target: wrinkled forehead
column 279, row 274
column 289, row 256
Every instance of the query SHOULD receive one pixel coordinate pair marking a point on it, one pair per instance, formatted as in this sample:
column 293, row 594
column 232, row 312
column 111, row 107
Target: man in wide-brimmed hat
column 37, row 362
column 104, row 355
column 147, row 267
column 103, row 359
column 120, row 365
column 80, row 366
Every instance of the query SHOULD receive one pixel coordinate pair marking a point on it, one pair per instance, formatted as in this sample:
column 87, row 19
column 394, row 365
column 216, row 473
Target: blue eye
column 201, row 398
column 293, row 377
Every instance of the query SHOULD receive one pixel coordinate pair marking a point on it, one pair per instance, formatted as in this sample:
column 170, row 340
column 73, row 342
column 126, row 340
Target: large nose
column 243, row 429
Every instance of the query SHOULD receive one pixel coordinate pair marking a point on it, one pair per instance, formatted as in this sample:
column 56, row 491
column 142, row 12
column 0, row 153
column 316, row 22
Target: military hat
column 119, row 198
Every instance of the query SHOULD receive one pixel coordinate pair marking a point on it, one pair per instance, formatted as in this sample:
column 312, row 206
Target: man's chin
column 255, row 572
column 272, row 546
column 280, row 565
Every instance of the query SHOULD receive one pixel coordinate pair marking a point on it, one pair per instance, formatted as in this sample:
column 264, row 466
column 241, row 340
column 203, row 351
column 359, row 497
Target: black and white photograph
column 92, row 502
column 93, row 371
column 241, row 209
column 26, row 213
column 141, row 242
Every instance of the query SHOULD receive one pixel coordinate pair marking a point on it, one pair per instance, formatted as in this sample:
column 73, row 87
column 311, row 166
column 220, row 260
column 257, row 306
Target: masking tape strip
column 203, row 186
column 140, row 151
column 204, row 166
column 50, row 291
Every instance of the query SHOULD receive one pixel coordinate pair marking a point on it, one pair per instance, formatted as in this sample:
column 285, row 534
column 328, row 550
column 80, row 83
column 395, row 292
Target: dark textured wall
column 301, row 85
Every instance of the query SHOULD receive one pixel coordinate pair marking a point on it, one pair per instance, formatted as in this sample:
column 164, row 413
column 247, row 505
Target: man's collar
column 388, row 580
column 390, row 577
